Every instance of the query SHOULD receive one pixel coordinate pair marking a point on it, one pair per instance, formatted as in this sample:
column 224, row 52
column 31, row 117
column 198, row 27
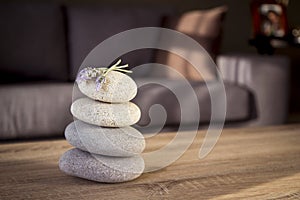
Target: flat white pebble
column 122, row 142
column 117, row 87
column 101, row 168
column 105, row 114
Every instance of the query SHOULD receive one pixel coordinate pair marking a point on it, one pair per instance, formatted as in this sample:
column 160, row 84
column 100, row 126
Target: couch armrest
column 267, row 77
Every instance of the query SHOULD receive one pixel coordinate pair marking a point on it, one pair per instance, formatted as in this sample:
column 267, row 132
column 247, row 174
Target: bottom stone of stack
column 100, row 168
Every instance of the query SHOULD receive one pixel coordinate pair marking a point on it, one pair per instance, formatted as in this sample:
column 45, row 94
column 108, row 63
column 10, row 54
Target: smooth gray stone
column 122, row 142
column 105, row 114
column 101, row 168
column 117, row 87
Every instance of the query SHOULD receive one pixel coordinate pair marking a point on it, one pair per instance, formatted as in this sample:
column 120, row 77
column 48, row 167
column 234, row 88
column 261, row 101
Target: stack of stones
column 107, row 149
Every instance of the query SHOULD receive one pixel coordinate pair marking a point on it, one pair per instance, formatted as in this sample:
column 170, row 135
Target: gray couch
column 42, row 47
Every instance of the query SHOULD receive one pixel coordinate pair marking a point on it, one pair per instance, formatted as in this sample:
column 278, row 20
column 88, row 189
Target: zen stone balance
column 107, row 149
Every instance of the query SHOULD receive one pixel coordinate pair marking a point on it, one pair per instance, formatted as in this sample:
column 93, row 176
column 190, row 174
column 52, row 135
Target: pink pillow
column 204, row 26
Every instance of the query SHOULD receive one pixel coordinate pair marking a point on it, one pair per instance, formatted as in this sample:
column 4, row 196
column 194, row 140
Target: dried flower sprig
column 100, row 73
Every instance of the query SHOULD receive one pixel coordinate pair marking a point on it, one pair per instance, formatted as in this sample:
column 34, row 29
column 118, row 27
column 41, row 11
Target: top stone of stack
column 107, row 84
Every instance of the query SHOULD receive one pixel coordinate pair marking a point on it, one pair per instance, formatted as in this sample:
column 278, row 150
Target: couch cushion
column 90, row 25
column 238, row 101
column 34, row 110
column 205, row 27
column 32, row 39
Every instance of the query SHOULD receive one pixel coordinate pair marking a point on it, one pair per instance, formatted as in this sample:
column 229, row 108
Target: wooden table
column 256, row 163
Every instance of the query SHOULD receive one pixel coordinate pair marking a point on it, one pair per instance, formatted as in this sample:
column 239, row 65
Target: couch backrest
column 50, row 41
column 32, row 42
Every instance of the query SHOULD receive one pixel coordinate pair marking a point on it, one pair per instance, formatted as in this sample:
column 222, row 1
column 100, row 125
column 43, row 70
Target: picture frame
column 269, row 18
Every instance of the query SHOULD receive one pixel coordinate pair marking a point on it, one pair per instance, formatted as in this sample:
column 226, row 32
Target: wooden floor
column 257, row 163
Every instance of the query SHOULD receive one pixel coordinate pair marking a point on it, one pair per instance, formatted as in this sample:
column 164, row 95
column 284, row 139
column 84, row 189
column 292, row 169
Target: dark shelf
column 267, row 45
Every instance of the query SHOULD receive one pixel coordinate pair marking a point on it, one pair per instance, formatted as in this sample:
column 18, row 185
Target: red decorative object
column 269, row 18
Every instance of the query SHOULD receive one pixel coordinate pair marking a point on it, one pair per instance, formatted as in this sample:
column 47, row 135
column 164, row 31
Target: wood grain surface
column 254, row 163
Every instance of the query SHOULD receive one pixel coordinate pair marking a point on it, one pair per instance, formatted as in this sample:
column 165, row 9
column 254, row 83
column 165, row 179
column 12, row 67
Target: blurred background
column 44, row 42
